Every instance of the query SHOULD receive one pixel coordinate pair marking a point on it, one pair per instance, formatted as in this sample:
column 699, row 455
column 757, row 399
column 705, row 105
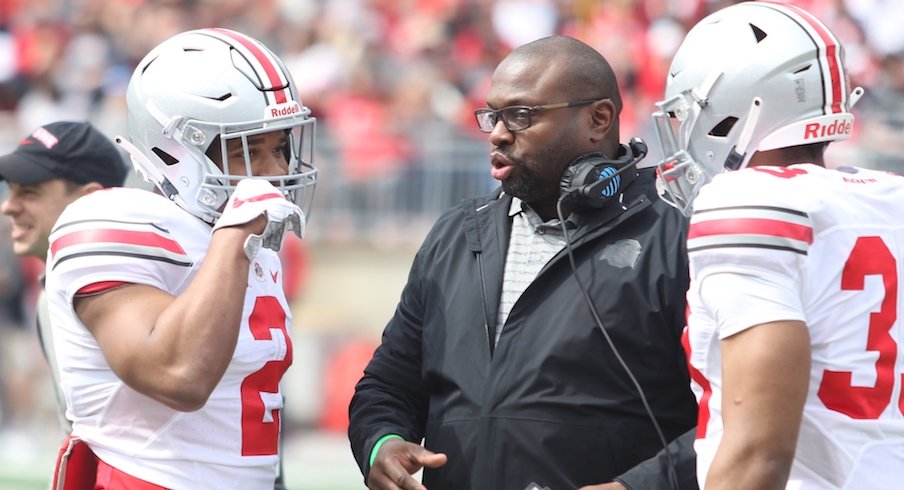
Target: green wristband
column 373, row 453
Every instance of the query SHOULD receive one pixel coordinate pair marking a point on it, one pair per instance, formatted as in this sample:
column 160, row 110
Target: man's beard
column 519, row 187
column 530, row 187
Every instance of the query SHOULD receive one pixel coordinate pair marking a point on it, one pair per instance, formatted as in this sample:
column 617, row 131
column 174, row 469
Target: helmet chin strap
column 855, row 97
column 737, row 155
column 701, row 94
column 151, row 174
column 170, row 124
column 146, row 169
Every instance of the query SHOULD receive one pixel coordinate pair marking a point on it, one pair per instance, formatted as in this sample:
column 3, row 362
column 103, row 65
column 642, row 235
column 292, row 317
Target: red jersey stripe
column 270, row 69
column 140, row 238
column 751, row 226
column 99, row 287
column 697, row 377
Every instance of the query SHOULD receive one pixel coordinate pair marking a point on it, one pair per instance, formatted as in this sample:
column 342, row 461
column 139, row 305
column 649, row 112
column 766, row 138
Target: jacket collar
column 488, row 218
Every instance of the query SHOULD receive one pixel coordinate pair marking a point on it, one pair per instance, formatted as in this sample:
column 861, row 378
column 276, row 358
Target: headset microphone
column 592, row 179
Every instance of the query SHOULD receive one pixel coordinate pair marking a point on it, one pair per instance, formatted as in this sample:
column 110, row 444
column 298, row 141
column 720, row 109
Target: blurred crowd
column 376, row 72
column 386, row 78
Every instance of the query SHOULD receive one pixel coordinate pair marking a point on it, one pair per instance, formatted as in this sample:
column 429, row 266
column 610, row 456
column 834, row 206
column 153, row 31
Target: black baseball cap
column 74, row 151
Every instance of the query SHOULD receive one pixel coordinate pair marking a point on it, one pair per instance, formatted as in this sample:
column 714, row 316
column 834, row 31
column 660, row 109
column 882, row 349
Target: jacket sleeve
column 390, row 398
column 654, row 472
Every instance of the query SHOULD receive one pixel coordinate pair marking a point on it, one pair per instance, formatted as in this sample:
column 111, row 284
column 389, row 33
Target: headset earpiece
column 592, row 180
column 583, row 171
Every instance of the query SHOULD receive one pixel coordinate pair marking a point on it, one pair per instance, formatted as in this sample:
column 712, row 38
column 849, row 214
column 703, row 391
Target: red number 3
column 260, row 429
column 783, row 172
column 870, row 256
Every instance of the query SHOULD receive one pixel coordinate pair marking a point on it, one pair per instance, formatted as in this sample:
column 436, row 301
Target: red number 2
column 260, row 430
column 870, row 256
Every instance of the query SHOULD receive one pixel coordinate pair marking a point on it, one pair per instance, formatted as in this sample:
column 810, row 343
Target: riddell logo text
column 817, row 130
column 286, row 110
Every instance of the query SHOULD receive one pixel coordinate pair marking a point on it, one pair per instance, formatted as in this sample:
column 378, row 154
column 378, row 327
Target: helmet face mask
column 297, row 184
column 679, row 175
column 751, row 77
column 207, row 87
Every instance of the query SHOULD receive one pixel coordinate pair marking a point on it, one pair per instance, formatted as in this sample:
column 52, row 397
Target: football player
column 794, row 329
column 171, row 322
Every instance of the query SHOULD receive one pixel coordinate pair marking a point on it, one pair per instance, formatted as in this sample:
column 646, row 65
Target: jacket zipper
column 491, row 332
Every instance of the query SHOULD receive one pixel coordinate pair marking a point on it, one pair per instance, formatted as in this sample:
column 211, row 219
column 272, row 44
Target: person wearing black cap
column 52, row 167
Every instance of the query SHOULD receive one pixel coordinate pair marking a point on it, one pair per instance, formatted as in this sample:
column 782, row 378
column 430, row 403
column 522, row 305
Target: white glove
column 254, row 197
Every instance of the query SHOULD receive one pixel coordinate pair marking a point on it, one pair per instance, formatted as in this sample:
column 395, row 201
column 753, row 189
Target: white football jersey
column 825, row 247
column 135, row 236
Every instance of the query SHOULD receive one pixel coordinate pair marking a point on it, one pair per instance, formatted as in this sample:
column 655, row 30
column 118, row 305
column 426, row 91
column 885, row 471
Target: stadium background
column 393, row 84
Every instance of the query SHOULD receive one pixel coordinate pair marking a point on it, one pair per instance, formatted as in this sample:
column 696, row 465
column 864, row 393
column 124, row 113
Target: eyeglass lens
column 515, row 118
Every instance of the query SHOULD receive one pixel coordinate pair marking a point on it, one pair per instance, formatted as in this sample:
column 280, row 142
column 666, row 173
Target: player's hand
column 253, row 198
column 396, row 461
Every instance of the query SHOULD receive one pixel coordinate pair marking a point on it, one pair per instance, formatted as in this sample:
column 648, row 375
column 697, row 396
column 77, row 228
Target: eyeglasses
column 517, row 117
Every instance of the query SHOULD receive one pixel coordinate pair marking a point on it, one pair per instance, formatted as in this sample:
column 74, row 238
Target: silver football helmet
column 753, row 76
column 210, row 86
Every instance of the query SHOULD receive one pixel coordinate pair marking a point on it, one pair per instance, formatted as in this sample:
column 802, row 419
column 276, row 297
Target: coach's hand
column 396, row 461
column 605, row 486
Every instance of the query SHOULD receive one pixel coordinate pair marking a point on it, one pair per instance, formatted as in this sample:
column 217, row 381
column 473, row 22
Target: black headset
column 592, row 180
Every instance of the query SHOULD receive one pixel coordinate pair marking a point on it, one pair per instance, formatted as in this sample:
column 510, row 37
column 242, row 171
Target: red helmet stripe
column 272, row 71
column 833, row 56
column 835, row 93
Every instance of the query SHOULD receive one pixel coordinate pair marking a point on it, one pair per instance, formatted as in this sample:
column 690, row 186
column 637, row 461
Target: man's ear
column 603, row 119
column 89, row 188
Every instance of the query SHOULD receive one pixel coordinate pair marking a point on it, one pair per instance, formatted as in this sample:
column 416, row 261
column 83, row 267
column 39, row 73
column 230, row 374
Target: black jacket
column 551, row 404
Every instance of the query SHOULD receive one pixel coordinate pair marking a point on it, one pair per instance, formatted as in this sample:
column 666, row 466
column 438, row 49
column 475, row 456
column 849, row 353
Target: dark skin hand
column 396, row 461
column 605, row 486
